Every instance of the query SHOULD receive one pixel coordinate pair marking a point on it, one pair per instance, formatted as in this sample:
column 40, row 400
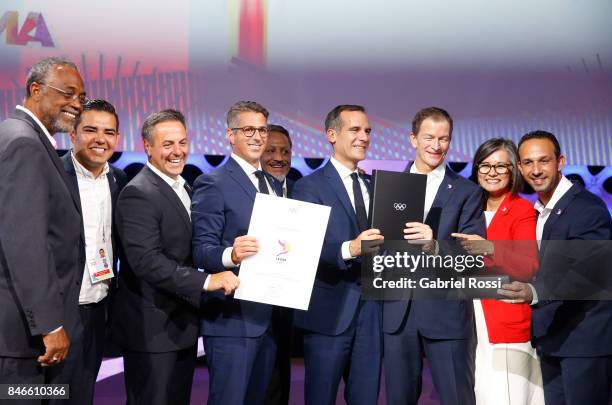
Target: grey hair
column 157, row 118
column 241, row 107
column 39, row 72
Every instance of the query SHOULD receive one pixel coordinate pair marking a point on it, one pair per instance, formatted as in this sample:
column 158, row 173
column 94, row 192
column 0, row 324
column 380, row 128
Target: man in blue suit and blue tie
column 239, row 337
column 441, row 330
column 342, row 335
column 573, row 337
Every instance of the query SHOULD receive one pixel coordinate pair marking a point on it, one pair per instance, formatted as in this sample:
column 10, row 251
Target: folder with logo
column 398, row 197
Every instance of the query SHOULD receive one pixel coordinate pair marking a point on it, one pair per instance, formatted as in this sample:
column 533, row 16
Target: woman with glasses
column 507, row 368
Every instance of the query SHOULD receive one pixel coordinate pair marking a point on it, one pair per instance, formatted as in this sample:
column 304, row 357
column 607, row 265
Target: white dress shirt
column 345, row 175
column 434, row 180
column 178, row 185
column 40, row 124
column 250, row 170
column 545, row 211
column 96, row 207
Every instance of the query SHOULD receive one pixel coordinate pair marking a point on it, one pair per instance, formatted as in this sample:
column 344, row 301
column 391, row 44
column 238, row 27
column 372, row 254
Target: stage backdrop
column 501, row 68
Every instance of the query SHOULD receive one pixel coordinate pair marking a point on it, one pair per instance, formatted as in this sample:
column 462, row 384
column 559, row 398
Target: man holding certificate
column 342, row 332
column 239, row 339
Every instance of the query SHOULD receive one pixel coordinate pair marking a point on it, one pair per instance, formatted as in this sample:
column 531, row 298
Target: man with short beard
column 41, row 241
column 276, row 160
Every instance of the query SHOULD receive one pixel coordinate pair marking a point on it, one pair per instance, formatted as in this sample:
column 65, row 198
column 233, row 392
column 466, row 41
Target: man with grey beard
column 41, row 241
column 276, row 160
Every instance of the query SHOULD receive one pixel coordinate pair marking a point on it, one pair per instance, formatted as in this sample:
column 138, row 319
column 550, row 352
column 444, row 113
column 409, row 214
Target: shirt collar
column 40, row 124
column 83, row 171
column 342, row 170
column 178, row 183
column 562, row 188
column 438, row 172
column 246, row 166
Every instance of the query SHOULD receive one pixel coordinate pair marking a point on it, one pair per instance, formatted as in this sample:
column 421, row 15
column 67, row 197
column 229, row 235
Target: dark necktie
column 263, row 187
column 360, row 211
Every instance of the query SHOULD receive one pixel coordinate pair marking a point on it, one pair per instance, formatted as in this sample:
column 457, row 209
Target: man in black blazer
column 573, row 337
column 41, row 257
column 97, row 183
column 276, row 160
column 156, row 306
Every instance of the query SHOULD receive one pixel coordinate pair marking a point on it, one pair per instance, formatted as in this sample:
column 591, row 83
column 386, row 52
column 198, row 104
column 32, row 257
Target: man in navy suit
column 441, row 330
column 342, row 333
column 276, row 160
column 97, row 183
column 239, row 337
column 572, row 337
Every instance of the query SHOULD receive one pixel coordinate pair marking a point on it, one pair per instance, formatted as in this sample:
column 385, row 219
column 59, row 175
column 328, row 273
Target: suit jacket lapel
column 59, row 166
column 235, row 172
column 171, row 196
column 112, row 185
column 444, row 193
column 336, row 184
column 69, row 168
column 558, row 209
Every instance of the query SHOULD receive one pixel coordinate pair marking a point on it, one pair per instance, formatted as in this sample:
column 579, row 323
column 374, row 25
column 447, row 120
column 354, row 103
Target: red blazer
column 515, row 219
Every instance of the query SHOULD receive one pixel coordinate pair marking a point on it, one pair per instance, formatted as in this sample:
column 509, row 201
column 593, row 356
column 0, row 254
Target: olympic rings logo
column 399, row 206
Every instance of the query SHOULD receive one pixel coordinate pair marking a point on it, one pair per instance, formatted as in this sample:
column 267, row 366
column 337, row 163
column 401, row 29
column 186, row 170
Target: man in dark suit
column 239, row 337
column 97, row 183
column 342, row 333
column 156, row 306
column 41, row 253
column 573, row 337
column 276, row 160
column 441, row 330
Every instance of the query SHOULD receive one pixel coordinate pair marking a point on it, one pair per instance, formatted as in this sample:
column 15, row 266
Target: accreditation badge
column 99, row 267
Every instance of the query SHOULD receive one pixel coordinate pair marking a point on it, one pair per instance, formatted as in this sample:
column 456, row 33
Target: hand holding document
column 290, row 235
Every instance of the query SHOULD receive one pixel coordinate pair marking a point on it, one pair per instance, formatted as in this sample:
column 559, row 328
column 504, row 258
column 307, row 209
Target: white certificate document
column 290, row 235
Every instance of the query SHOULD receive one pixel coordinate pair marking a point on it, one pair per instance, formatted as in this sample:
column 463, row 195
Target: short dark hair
column 333, row 120
column 241, row 107
column 157, row 118
column 541, row 134
column 436, row 114
column 39, row 72
column 282, row 130
column 97, row 105
column 493, row 145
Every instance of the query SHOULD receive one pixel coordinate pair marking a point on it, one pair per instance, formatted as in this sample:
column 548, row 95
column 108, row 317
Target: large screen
column 501, row 68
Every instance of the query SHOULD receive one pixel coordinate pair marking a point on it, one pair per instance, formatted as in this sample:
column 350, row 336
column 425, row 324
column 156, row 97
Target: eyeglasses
column 485, row 168
column 250, row 131
column 68, row 95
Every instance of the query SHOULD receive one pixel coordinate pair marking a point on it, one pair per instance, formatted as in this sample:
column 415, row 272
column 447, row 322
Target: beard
column 60, row 125
column 280, row 177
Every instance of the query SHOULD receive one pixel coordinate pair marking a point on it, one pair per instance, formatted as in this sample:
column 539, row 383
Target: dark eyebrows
column 95, row 128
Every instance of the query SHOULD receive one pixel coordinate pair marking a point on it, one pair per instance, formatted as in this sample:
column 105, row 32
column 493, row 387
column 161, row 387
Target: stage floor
column 110, row 389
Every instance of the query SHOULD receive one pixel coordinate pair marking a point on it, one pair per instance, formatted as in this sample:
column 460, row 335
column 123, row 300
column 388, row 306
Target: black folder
column 398, row 197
